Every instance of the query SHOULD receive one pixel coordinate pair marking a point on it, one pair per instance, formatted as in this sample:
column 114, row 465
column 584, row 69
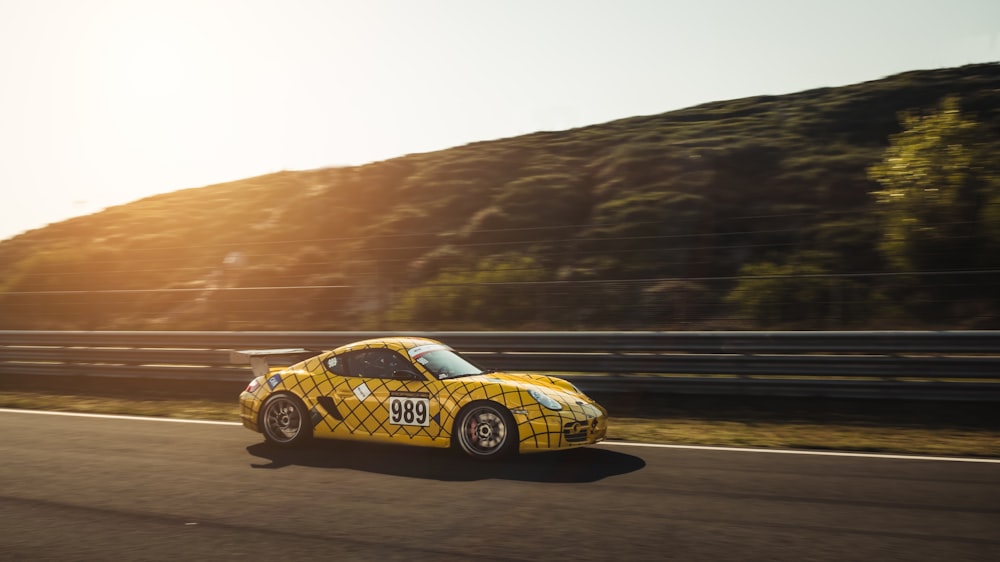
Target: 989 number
column 409, row 411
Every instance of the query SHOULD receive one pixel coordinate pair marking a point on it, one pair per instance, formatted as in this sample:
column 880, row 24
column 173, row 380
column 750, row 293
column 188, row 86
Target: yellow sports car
column 421, row 392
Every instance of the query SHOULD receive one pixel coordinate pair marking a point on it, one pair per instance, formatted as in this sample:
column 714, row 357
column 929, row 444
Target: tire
column 284, row 420
column 486, row 430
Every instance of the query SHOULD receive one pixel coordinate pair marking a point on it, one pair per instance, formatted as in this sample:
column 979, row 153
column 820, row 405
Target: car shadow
column 586, row 464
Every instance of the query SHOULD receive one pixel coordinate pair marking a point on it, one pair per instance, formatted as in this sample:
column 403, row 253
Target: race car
column 421, row 392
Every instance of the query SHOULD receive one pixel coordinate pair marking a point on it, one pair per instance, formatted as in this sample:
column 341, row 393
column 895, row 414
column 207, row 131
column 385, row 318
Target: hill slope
column 646, row 222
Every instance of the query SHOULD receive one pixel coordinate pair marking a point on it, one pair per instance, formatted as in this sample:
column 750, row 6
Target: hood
column 556, row 387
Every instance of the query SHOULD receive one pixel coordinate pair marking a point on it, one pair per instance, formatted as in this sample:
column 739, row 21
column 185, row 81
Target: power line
column 521, row 283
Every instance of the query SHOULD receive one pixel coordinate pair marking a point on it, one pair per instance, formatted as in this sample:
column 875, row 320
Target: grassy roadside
column 839, row 437
column 920, row 430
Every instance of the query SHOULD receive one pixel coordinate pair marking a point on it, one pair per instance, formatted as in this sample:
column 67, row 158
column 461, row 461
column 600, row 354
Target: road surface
column 103, row 488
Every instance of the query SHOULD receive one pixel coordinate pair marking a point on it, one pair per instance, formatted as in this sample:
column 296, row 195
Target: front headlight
column 545, row 400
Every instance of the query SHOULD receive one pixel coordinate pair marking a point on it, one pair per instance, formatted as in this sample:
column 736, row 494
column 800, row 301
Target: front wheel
column 486, row 430
column 284, row 420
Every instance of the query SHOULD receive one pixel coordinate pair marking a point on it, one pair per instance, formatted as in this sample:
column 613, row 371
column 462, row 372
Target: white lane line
column 612, row 443
column 115, row 417
column 801, row 452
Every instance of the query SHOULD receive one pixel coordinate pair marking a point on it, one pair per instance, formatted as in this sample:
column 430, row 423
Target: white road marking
column 115, row 417
column 802, row 452
column 612, row 443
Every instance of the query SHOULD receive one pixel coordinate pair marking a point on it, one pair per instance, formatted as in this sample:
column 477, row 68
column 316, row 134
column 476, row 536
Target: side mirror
column 405, row 376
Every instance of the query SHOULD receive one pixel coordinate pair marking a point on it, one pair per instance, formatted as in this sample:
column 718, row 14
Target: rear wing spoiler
column 261, row 360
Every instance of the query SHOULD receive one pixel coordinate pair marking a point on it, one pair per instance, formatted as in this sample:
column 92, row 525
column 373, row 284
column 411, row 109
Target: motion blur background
column 641, row 165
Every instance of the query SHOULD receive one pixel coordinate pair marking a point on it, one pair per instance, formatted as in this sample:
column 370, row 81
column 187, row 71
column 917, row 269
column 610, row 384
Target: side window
column 376, row 363
column 336, row 365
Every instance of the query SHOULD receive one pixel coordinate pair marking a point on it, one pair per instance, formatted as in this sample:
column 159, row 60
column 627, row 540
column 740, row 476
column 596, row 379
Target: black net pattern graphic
column 361, row 403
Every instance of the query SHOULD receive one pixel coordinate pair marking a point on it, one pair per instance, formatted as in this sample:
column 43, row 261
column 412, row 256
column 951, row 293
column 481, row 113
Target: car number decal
column 409, row 411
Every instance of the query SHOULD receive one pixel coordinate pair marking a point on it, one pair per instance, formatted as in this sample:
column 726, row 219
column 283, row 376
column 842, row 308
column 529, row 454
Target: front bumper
column 574, row 426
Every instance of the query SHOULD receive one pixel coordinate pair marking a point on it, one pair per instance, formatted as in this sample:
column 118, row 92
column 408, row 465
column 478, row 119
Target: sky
column 104, row 102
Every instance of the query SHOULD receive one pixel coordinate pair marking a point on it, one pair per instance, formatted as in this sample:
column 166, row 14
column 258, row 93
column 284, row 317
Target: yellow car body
column 405, row 390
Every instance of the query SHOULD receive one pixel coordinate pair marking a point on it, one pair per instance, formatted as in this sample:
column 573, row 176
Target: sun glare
column 209, row 92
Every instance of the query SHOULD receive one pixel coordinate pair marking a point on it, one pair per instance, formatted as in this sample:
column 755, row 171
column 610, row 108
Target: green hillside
column 755, row 213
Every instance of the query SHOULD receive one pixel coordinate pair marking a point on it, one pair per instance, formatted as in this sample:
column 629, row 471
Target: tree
column 774, row 294
column 940, row 211
column 939, row 192
column 500, row 291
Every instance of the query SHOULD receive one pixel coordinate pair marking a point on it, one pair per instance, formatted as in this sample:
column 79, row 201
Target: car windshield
column 444, row 363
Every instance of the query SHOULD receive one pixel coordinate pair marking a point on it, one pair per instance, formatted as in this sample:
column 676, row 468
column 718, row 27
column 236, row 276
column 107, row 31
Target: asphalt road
column 81, row 488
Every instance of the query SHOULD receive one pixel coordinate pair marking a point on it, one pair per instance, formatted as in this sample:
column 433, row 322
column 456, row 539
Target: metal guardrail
column 892, row 364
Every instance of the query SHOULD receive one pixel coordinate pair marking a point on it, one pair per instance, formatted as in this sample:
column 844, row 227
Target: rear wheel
column 285, row 421
column 486, row 430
